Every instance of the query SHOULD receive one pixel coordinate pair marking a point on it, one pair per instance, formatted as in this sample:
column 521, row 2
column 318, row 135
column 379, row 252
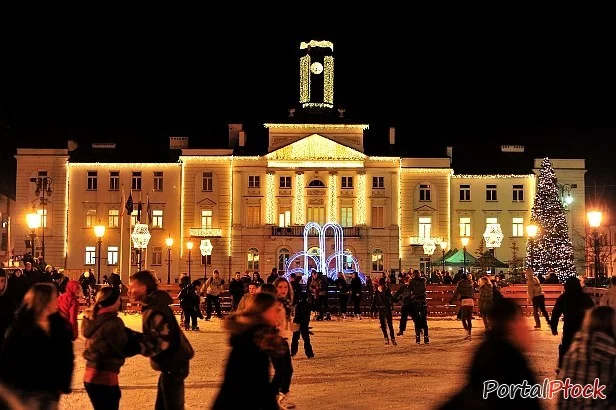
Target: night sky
column 550, row 88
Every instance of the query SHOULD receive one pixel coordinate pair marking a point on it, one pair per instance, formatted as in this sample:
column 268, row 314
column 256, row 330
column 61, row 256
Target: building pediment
column 425, row 208
column 315, row 147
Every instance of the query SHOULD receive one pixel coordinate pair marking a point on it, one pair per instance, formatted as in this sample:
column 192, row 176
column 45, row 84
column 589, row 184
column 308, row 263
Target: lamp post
column 34, row 222
column 594, row 221
column 464, row 241
column 206, row 250
column 443, row 247
column 189, row 246
column 42, row 192
column 141, row 237
column 531, row 231
column 169, row 243
column 99, row 232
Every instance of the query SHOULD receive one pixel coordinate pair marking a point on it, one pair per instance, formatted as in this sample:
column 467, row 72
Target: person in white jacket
column 609, row 299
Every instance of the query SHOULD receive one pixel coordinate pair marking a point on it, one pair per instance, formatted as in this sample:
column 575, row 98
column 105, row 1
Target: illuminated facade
column 254, row 208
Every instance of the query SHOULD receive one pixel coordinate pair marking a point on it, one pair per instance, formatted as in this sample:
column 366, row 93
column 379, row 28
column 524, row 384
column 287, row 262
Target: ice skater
column 302, row 319
column 464, row 291
column 382, row 303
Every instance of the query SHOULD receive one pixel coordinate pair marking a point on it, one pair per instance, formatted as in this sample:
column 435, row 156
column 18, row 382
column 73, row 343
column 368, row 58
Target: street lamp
column 141, row 237
column 206, row 250
column 169, row 243
column 531, row 231
column 189, row 246
column 464, row 241
column 594, row 221
column 443, row 247
column 99, row 232
column 34, row 222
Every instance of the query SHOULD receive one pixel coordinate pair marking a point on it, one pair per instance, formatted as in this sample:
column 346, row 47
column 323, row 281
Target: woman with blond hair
column 485, row 299
column 36, row 361
column 283, row 368
column 592, row 355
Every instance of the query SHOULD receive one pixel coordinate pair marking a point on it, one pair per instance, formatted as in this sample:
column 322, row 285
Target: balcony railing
column 419, row 240
column 348, row 232
column 206, row 232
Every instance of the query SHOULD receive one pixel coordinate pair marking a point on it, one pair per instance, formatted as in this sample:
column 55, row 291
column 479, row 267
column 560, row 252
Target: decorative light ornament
column 429, row 246
column 333, row 197
column 493, row 236
column 361, row 199
column 140, row 236
column 316, row 43
column 299, row 198
column 316, row 147
column 206, row 247
column 304, row 79
column 318, row 126
column 495, row 176
column 270, row 217
column 328, row 80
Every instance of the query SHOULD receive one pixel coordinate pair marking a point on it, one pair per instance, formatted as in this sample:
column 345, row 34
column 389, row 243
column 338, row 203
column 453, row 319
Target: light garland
column 206, row 232
column 361, row 199
column 317, row 126
column 315, row 164
column 118, row 165
column 496, row 176
column 386, row 159
column 299, row 198
column 66, row 204
column 316, row 147
column 333, row 197
column 316, row 43
column 208, row 158
column 317, row 105
column 304, row 79
column 399, row 210
column 328, row 80
column 230, row 232
column 445, row 171
column 270, row 196
column 182, row 184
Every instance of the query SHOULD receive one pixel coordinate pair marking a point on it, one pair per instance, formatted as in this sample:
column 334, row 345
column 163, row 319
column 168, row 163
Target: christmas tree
column 551, row 248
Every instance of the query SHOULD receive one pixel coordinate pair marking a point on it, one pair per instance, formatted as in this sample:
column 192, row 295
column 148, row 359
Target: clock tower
column 316, row 74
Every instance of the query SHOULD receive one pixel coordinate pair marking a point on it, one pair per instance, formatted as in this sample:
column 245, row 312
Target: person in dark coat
column 189, row 302
column 296, row 285
column 115, row 281
column 253, row 339
column 404, row 294
column 256, row 278
column 419, row 311
column 17, row 287
column 302, row 319
column 572, row 304
column 381, row 302
column 343, row 294
column 7, row 305
column 163, row 340
column 356, row 294
column 236, row 290
column 37, row 359
column 272, row 276
column 499, row 358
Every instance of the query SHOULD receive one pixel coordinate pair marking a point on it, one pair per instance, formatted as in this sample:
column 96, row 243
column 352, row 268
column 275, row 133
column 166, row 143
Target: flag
column 148, row 209
column 139, row 209
column 129, row 203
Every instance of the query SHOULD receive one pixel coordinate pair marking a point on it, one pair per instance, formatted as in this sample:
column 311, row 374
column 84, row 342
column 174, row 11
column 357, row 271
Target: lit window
column 90, row 218
column 465, row 226
column 491, row 220
column 114, row 218
column 43, row 214
column 157, row 255
column 425, row 226
column 253, row 259
column 112, row 255
column 378, row 216
column 283, row 257
column 377, row 260
column 253, row 216
column 346, row 216
column 157, row 218
column 90, row 255
column 518, row 227
column 284, row 216
column 316, row 214
column 206, row 219
column 133, row 218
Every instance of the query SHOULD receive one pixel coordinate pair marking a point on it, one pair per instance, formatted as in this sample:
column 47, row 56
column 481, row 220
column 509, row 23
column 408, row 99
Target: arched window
column 253, row 259
column 377, row 260
column 283, row 257
column 314, row 251
column 316, row 183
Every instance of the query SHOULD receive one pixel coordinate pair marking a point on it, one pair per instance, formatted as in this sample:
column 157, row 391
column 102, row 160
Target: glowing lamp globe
column 464, row 241
column 99, row 231
column 443, row 245
column 140, row 236
column 594, row 219
column 169, row 242
column 532, row 230
column 33, row 220
column 189, row 245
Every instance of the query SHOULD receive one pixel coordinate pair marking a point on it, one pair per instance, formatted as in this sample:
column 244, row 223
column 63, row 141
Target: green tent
column 455, row 257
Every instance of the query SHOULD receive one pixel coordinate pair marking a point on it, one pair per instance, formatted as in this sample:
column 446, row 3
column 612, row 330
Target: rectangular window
column 518, row 227
column 518, row 193
column 134, row 256
column 253, row 216
column 157, row 218
column 347, row 182
column 206, row 219
column 284, row 216
column 90, row 218
column 254, row 181
column 90, row 255
column 285, row 182
column 316, row 214
column 346, row 216
column 378, row 216
column 43, row 214
column 465, row 192
column 114, row 180
column 465, row 227
column 92, row 180
column 112, row 255
column 136, row 181
column 425, row 226
column 133, row 218
column 157, row 255
column 114, row 218
column 378, row 182
column 491, row 221
column 158, row 181
column 208, row 182
column 424, row 192
column 206, row 259
column 491, row 193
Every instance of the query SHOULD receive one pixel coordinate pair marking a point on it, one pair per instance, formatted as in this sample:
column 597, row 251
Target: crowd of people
column 267, row 320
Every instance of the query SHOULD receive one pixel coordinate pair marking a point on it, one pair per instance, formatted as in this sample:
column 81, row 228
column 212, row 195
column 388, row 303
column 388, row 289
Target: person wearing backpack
column 163, row 340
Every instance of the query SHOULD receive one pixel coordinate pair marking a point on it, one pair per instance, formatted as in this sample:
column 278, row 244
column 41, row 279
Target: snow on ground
column 353, row 369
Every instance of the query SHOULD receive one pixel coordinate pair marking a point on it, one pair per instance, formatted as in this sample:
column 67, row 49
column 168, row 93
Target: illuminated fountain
column 330, row 265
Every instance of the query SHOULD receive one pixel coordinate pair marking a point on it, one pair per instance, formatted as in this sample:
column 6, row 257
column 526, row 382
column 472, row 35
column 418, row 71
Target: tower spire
column 316, row 74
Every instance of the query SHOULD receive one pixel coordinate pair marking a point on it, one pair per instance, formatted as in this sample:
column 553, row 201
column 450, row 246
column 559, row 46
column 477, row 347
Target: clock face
column 316, row 68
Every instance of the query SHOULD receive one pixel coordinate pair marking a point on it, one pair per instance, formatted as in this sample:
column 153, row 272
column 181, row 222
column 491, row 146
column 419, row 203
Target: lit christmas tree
column 551, row 248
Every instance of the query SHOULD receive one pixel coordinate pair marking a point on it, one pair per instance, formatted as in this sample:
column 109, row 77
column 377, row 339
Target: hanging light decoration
column 140, row 236
column 493, row 236
column 429, row 246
